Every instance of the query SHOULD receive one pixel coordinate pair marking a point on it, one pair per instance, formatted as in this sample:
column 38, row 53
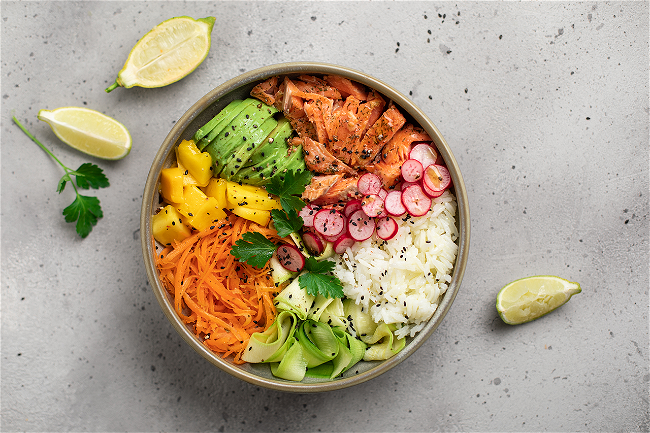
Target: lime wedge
column 89, row 131
column 169, row 52
column 529, row 298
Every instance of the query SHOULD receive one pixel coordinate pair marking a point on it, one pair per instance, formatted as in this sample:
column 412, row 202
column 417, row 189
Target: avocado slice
column 275, row 144
column 227, row 118
column 237, row 132
column 255, row 141
column 222, row 118
column 295, row 162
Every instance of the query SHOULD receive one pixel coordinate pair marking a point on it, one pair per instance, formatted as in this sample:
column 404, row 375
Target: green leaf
column 62, row 182
column 318, row 279
column 90, row 175
column 253, row 248
column 286, row 222
column 85, row 211
column 287, row 189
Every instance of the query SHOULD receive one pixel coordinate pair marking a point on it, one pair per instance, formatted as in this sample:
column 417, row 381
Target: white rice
column 402, row 280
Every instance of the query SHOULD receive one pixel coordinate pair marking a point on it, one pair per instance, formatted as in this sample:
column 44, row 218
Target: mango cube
column 197, row 163
column 171, row 184
column 217, row 188
column 209, row 213
column 168, row 227
column 251, row 197
column 193, row 200
column 261, row 217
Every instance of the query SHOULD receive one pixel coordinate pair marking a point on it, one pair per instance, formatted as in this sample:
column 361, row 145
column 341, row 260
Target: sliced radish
column 386, row 228
column 290, row 258
column 333, row 238
column 393, row 203
column 382, row 193
column 372, row 205
column 307, row 214
column 369, row 183
column 360, row 226
column 351, row 207
column 314, row 243
column 329, row 222
column 344, row 242
column 416, row 202
column 436, row 177
column 424, row 153
column 412, row 170
column 431, row 193
column 407, row 184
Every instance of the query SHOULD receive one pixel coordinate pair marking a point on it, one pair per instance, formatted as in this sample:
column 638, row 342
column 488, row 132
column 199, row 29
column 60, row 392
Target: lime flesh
column 530, row 298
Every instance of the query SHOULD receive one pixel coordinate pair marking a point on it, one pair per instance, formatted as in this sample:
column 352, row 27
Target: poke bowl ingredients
column 89, row 131
column 319, row 168
column 530, row 298
column 168, row 52
column 85, row 211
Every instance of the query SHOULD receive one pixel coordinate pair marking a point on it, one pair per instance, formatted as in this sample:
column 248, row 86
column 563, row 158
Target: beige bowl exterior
column 206, row 108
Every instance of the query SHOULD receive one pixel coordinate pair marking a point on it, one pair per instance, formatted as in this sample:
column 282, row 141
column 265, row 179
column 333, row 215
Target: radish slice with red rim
column 372, row 205
column 290, row 258
column 329, row 222
column 351, row 207
column 307, row 214
column 425, row 153
column 416, row 202
column 393, row 203
column 407, row 184
column 436, row 177
column 412, row 170
column 314, row 243
column 344, row 242
column 386, row 228
column 369, row 183
column 360, row 226
column 431, row 193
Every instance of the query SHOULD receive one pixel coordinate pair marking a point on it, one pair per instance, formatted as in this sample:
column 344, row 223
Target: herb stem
column 35, row 140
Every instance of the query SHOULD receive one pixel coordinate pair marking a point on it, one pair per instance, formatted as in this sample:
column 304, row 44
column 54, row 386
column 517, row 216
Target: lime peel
column 530, row 298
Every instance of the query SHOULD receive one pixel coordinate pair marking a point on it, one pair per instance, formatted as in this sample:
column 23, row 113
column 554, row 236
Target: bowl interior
column 200, row 113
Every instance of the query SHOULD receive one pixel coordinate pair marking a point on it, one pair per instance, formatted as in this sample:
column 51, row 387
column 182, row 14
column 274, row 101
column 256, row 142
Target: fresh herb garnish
column 319, row 279
column 286, row 222
column 289, row 188
column 85, row 210
column 253, row 248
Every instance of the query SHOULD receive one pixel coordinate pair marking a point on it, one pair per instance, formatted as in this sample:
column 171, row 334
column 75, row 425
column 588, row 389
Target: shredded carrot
column 224, row 301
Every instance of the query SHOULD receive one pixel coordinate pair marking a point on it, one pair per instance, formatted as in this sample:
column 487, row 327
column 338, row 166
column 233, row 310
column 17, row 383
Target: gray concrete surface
column 545, row 106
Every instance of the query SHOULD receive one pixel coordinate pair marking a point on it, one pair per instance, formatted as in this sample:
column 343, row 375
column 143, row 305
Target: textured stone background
column 545, row 106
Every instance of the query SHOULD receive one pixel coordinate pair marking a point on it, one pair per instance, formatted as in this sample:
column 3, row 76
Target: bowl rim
column 148, row 246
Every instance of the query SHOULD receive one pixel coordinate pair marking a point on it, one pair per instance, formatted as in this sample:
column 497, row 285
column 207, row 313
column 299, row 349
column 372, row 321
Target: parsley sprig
column 253, row 248
column 318, row 279
column 85, row 210
column 289, row 188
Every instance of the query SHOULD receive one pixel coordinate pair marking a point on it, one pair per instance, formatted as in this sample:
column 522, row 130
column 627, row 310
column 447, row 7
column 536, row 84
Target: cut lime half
column 530, row 298
column 89, row 131
column 169, row 52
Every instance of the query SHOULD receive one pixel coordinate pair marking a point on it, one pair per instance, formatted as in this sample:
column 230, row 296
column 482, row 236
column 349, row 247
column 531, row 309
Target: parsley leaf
column 253, row 248
column 84, row 210
column 319, row 279
column 289, row 188
column 286, row 222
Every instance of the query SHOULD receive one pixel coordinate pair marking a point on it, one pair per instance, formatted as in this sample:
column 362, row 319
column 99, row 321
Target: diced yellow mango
column 193, row 200
column 167, row 226
column 171, row 184
column 207, row 215
column 197, row 163
column 217, row 188
column 251, row 197
column 261, row 217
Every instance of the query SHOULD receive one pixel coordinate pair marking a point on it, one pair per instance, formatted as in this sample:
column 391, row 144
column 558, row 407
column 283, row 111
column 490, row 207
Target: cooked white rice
column 402, row 280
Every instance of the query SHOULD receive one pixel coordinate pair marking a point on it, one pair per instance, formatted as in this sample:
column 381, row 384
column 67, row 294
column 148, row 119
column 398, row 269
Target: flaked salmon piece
column 342, row 129
column 319, row 113
column 319, row 185
column 390, row 174
column 320, row 160
column 266, row 90
column 292, row 107
column 311, row 84
column 371, row 111
column 347, row 87
column 398, row 148
column 377, row 136
column 341, row 190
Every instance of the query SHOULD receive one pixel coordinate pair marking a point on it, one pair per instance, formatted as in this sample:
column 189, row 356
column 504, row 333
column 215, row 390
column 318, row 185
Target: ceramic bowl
column 201, row 112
